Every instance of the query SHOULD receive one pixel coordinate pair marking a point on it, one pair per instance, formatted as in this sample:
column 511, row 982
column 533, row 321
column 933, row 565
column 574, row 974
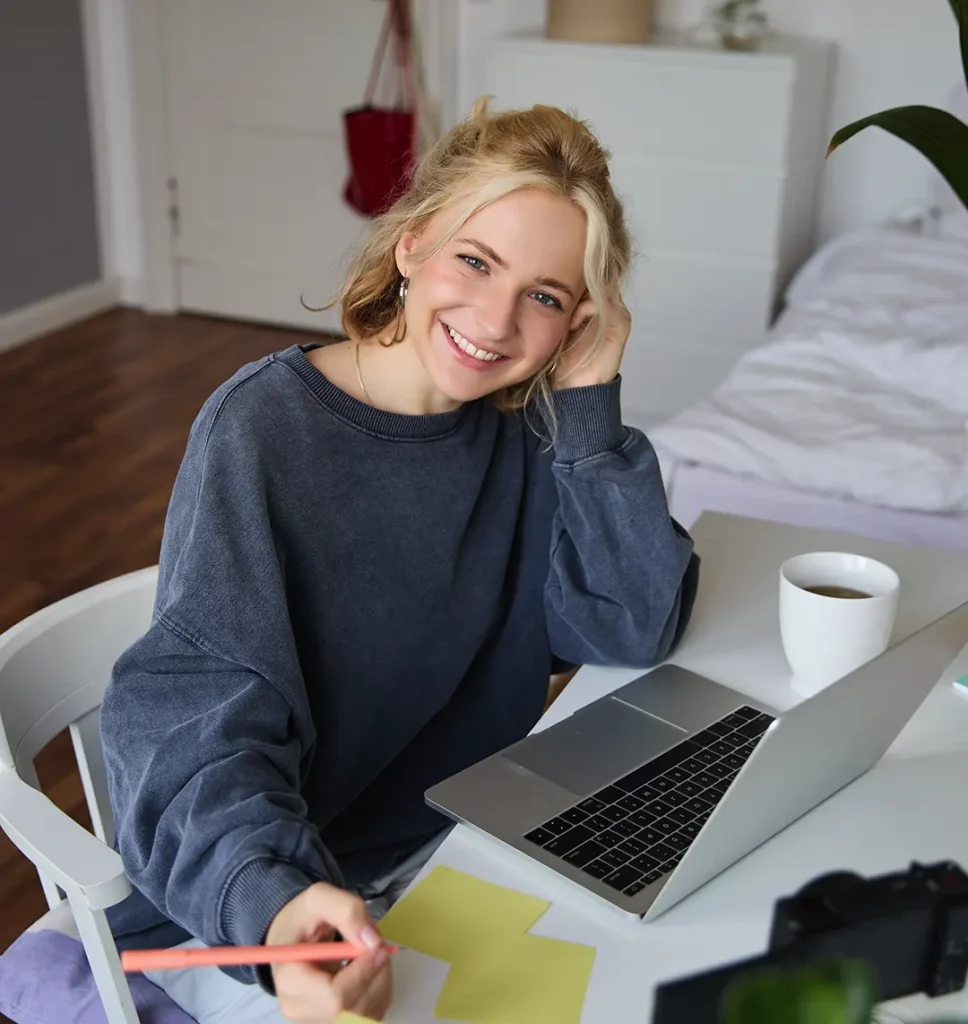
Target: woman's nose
column 495, row 316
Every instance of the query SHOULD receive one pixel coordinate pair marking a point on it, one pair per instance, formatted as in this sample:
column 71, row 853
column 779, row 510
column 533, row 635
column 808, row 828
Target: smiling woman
column 480, row 323
column 373, row 562
column 510, row 249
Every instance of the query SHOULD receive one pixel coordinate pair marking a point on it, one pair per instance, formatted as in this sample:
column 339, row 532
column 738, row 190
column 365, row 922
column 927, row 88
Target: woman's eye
column 547, row 300
column 474, row 261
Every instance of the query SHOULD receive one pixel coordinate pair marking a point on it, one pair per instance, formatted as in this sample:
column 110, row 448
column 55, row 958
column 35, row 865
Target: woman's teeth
column 472, row 350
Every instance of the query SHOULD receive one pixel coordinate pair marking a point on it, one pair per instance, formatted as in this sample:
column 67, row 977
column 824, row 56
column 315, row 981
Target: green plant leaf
column 825, row 993
column 960, row 10
column 936, row 134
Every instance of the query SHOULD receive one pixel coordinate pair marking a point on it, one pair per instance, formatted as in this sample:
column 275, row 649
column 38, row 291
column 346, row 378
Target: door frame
column 437, row 25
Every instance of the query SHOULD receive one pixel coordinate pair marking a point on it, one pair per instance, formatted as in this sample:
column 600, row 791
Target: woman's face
column 491, row 307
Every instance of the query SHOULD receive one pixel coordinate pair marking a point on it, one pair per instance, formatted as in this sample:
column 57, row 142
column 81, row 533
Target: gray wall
column 48, row 226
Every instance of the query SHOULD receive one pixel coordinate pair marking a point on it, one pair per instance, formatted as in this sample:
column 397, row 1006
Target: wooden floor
column 93, row 425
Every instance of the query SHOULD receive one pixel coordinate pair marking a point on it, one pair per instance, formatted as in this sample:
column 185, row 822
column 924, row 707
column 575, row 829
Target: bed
column 853, row 413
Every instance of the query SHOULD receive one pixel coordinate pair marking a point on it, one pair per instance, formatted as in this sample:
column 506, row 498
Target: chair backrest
column 54, row 668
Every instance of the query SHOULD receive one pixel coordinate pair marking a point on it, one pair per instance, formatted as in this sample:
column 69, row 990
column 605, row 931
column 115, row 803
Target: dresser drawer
column 642, row 104
column 710, row 209
column 687, row 296
column 717, row 157
column 662, row 375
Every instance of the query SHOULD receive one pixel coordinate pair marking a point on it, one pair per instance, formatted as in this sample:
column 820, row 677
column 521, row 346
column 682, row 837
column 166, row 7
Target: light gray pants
column 380, row 894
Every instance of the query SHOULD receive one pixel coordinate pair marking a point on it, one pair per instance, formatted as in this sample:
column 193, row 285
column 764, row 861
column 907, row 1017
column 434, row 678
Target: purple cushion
column 45, row 979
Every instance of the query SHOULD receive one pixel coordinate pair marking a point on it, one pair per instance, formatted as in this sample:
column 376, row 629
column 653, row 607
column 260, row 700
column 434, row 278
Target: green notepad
column 499, row 974
column 451, row 916
column 519, row 980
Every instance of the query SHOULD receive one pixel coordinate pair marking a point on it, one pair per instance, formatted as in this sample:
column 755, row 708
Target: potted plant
column 835, row 993
column 741, row 24
column 939, row 136
column 839, row 992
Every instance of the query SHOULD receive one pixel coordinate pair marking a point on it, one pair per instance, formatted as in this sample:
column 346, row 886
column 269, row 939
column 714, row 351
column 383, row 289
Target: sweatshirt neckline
column 393, row 425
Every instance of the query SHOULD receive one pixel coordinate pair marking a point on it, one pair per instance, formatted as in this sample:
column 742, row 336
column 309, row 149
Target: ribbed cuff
column 588, row 421
column 255, row 895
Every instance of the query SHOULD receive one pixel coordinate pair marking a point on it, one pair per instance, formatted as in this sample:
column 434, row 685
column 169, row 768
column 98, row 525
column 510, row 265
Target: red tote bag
column 381, row 141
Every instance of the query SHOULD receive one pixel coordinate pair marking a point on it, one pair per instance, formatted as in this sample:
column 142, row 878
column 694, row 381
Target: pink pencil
column 229, row 956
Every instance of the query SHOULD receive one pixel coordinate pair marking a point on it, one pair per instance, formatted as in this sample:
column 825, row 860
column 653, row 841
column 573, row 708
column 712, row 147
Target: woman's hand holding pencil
column 310, row 985
column 314, row 993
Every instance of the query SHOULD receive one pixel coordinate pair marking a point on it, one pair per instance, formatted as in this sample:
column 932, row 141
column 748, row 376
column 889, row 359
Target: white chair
column 54, row 667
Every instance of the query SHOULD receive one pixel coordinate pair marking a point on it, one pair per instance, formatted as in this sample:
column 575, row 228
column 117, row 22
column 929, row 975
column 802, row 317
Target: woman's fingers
column 345, row 911
column 365, row 986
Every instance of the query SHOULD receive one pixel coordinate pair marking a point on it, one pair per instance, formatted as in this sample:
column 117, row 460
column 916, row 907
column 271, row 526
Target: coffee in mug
column 837, row 612
column 828, row 590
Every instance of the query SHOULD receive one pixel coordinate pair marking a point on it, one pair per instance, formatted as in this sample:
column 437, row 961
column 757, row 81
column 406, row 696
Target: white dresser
column 718, row 157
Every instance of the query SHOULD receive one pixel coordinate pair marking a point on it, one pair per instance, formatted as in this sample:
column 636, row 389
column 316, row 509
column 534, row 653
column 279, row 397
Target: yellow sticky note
column 353, row 1018
column 520, row 979
column 452, row 916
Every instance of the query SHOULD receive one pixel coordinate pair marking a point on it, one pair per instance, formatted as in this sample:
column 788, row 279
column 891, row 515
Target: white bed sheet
column 694, row 489
column 861, row 390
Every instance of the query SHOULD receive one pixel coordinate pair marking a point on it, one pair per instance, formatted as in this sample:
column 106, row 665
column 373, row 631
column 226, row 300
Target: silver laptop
column 643, row 795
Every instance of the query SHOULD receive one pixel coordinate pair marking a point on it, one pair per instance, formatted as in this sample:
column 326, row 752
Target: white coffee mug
column 837, row 611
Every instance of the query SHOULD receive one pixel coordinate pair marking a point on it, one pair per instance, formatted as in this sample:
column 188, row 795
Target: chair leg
column 102, row 955
column 53, row 895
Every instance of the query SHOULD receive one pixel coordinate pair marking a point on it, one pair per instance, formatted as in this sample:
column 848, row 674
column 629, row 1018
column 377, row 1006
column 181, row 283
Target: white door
column 255, row 91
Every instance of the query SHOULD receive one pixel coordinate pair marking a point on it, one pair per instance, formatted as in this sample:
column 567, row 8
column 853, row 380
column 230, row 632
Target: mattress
column 694, row 489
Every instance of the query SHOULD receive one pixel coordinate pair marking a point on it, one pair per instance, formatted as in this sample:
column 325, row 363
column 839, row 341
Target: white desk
column 910, row 806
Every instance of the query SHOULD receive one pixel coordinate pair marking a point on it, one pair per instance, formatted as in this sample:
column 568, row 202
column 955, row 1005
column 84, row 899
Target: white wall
column 890, row 52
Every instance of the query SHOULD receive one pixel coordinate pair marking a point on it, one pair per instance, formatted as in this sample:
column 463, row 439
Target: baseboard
column 39, row 318
column 131, row 291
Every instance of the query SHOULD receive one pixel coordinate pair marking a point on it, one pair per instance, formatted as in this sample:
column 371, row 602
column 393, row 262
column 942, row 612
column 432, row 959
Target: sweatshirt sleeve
column 205, row 723
column 623, row 573
column 203, row 765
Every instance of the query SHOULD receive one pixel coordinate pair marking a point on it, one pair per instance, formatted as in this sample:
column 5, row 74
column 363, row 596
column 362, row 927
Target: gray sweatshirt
column 352, row 605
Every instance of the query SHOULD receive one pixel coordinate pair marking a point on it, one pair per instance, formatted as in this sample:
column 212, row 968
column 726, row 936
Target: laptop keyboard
column 636, row 830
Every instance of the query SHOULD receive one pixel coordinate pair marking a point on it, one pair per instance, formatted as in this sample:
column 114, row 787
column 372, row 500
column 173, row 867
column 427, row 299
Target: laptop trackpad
column 595, row 745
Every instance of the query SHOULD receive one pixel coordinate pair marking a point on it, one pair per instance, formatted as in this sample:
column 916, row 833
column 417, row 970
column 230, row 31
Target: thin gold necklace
column 359, row 375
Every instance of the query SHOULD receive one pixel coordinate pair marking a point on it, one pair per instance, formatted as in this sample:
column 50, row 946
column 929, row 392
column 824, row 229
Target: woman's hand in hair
column 317, row 993
column 586, row 360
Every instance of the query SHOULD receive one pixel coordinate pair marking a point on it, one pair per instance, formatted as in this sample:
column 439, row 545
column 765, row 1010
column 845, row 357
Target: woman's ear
column 404, row 252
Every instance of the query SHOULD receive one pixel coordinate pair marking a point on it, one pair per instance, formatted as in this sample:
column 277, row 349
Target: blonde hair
column 482, row 159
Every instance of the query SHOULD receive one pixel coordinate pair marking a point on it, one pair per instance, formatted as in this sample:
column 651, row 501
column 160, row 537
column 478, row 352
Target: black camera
column 911, row 927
